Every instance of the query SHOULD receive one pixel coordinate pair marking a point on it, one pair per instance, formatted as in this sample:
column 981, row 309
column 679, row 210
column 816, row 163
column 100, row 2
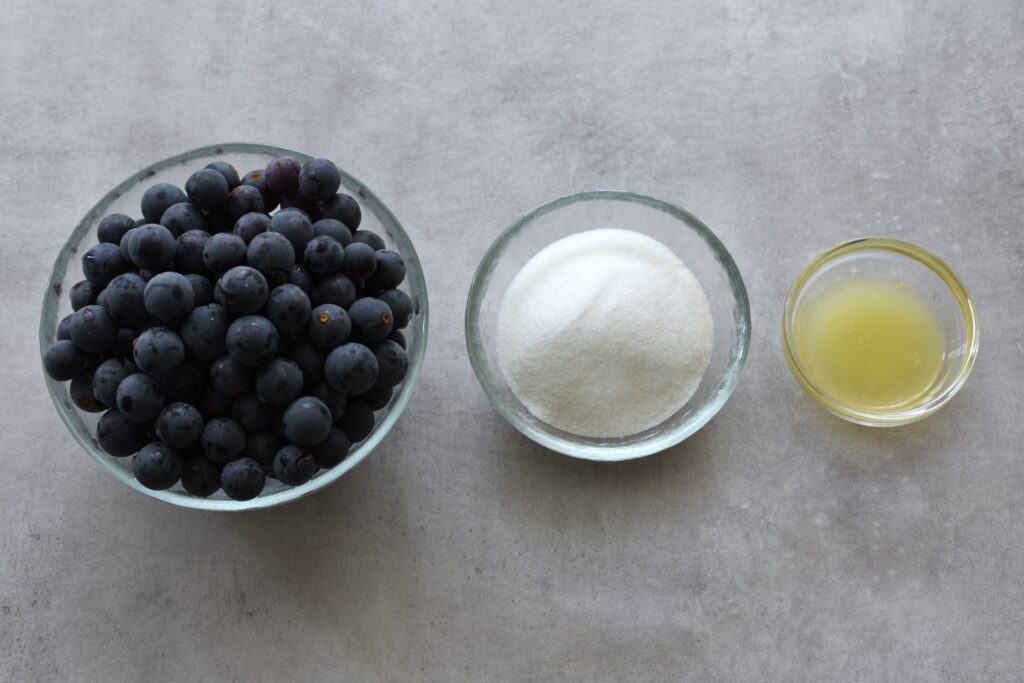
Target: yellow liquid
column 870, row 343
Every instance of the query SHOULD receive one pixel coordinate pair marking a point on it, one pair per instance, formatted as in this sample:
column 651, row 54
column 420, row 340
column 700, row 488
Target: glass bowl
column 681, row 232
column 927, row 275
column 125, row 198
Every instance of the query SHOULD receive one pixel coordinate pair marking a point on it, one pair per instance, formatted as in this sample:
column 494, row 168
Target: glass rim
column 920, row 255
column 657, row 442
column 81, row 434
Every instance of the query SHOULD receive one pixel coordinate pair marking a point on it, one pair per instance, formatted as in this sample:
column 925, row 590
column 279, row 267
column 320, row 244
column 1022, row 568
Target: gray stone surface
column 777, row 543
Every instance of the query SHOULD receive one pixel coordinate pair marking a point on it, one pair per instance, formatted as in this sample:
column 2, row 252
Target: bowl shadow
column 876, row 453
column 686, row 472
column 303, row 555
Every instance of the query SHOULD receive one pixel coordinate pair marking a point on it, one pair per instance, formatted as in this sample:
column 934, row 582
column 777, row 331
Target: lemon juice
column 870, row 343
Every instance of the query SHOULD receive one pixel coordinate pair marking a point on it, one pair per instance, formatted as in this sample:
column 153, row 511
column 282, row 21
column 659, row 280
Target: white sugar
column 604, row 333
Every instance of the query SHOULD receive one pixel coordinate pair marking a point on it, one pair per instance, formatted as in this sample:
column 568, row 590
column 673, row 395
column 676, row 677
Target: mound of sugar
column 604, row 333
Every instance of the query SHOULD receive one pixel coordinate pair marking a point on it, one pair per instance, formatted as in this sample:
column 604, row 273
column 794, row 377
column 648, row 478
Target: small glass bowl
column 125, row 198
column 681, row 232
column 930, row 277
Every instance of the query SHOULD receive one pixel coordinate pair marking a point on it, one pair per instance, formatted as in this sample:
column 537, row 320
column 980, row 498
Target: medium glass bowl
column 125, row 198
column 927, row 275
column 681, row 232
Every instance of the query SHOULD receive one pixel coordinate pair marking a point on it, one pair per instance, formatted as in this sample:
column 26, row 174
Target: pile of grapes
column 227, row 340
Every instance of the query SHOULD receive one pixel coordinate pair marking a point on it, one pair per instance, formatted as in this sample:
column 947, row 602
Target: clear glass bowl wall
column 125, row 198
column 681, row 232
column 929, row 277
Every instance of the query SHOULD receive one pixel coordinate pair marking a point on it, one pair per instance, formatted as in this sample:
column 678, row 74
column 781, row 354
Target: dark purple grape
column 181, row 217
column 288, row 308
column 208, row 189
column 102, row 263
column 244, row 199
column 335, row 289
column 308, row 207
column 360, row 261
column 124, row 299
column 64, row 329
column 273, row 255
column 223, row 252
column 152, row 247
column 252, row 340
column 242, row 479
column 294, row 466
column 82, row 394
column 294, row 225
column 306, row 422
column 401, row 308
column 334, row 400
column 113, row 227
column 222, row 439
column 158, row 350
column 319, row 179
column 279, row 382
column 243, row 289
column 169, row 297
column 227, row 170
column 250, row 225
column 158, row 198
column 301, row 278
column 389, row 273
column 370, row 239
column 357, row 422
column 205, row 330
column 119, row 436
column 202, row 289
column 188, row 255
column 93, row 329
column 83, row 294
column 391, row 361
column 282, row 175
column 200, row 476
column 258, row 179
column 230, row 378
column 344, row 208
column 332, row 227
column 105, row 379
column 139, row 397
column 328, row 326
column 157, row 466
column 371, row 320
column 333, row 449
column 351, row 369
column 179, row 425
column 378, row 396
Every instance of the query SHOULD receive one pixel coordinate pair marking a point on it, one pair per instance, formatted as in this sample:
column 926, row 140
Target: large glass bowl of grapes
column 234, row 327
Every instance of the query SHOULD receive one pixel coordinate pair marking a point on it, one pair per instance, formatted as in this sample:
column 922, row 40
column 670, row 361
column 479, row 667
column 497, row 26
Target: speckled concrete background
column 777, row 543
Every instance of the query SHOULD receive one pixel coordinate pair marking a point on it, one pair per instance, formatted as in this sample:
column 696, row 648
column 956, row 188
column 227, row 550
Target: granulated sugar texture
column 604, row 334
